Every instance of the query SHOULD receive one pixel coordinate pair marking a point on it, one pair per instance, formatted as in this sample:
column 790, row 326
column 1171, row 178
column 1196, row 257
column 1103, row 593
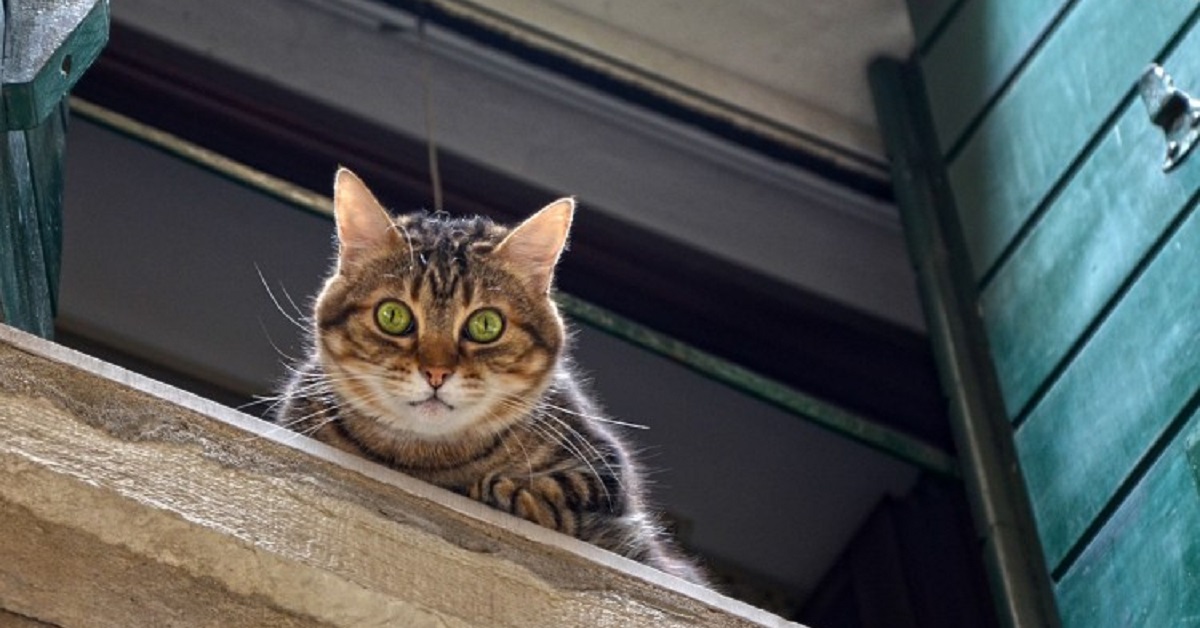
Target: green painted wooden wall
column 1085, row 261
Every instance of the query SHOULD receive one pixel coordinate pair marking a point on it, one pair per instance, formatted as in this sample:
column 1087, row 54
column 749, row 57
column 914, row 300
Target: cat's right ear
column 363, row 225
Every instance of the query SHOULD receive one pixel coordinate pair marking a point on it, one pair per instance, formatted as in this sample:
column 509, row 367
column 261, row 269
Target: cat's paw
column 540, row 501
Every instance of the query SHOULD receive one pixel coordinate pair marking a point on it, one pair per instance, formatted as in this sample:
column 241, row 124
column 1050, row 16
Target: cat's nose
column 437, row 375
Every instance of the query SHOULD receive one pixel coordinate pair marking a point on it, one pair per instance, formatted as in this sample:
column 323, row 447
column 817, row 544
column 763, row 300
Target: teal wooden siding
column 1083, row 254
column 1042, row 123
column 1080, row 253
column 998, row 33
column 1106, row 411
column 928, row 15
column 1143, row 569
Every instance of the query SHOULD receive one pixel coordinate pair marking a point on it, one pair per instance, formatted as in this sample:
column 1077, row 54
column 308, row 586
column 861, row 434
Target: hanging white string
column 435, row 175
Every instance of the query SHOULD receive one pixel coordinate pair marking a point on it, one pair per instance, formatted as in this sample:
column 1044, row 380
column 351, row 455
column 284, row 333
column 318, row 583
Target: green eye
column 486, row 325
column 394, row 317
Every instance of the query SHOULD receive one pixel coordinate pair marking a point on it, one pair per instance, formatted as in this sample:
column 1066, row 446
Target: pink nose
column 437, row 375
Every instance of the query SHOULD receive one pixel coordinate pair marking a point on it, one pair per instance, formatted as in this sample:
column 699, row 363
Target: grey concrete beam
column 652, row 171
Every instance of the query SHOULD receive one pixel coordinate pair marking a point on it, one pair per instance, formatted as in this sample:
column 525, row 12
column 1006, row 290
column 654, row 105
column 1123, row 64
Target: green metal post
column 988, row 462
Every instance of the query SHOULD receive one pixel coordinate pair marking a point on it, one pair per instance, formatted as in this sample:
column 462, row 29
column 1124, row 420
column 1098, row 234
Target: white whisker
column 595, row 417
column 299, row 325
column 570, row 439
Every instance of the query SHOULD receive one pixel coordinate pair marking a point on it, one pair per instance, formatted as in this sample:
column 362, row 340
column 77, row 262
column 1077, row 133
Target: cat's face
column 439, row 327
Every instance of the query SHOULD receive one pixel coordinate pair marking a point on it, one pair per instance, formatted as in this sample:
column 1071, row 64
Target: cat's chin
column 432, row 406
column 431, row 419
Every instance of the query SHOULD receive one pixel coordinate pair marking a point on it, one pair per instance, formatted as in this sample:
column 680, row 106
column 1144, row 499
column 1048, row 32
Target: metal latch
column 1172, row 110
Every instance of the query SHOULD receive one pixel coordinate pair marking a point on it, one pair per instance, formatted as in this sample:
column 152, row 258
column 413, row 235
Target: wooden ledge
column 125, row 502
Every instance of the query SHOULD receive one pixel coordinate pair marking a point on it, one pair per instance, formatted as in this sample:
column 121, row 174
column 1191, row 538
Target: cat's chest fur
column 556, row 424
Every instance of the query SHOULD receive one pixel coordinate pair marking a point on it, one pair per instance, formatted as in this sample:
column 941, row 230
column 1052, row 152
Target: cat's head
column 437, row 326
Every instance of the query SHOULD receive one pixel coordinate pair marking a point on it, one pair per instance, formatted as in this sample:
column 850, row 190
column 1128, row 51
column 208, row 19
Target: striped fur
column 503, row 422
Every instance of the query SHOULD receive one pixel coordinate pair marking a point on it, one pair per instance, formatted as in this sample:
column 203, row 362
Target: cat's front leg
column 538, row 499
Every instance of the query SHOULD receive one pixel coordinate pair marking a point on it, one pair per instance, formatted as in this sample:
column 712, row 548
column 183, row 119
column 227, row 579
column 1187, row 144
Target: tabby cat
column 438, row 351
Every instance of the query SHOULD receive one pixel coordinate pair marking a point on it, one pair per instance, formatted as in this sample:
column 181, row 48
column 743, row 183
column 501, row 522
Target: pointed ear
column 532, row 249
column 363, row 225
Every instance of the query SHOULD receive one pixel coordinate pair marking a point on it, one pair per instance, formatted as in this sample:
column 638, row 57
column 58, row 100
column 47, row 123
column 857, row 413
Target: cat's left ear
column 363, row 225
column 532, row 249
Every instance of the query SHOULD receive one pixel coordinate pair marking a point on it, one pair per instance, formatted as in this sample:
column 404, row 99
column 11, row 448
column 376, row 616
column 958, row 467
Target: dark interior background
column 182, row 273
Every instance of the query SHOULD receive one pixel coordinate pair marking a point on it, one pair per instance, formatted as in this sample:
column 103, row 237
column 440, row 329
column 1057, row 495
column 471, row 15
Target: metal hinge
column 1172, row 110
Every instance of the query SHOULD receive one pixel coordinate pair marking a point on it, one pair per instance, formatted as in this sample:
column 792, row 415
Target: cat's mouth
column 432, row 404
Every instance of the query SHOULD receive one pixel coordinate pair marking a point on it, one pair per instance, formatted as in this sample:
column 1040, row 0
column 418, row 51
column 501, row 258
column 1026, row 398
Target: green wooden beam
column 46, row 48
column 48, row 45
column 30, row 235
column 817, row 411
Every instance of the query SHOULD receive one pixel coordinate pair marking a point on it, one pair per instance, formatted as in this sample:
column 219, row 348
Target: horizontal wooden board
column 927, row 15
column 1116, row 398
column 124, row 502
column 976, row 53
column 1041, row 124
column 1073, row 261
column 1143, row 569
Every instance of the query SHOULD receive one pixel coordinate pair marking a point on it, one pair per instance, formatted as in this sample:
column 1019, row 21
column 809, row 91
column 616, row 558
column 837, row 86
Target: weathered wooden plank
column 1073, row 261
column 125, row 502
column 12, row 620
column 975, row 54
column 1116, row 398
column 927, row 15
column 1143, row 568
column 1041, row 124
